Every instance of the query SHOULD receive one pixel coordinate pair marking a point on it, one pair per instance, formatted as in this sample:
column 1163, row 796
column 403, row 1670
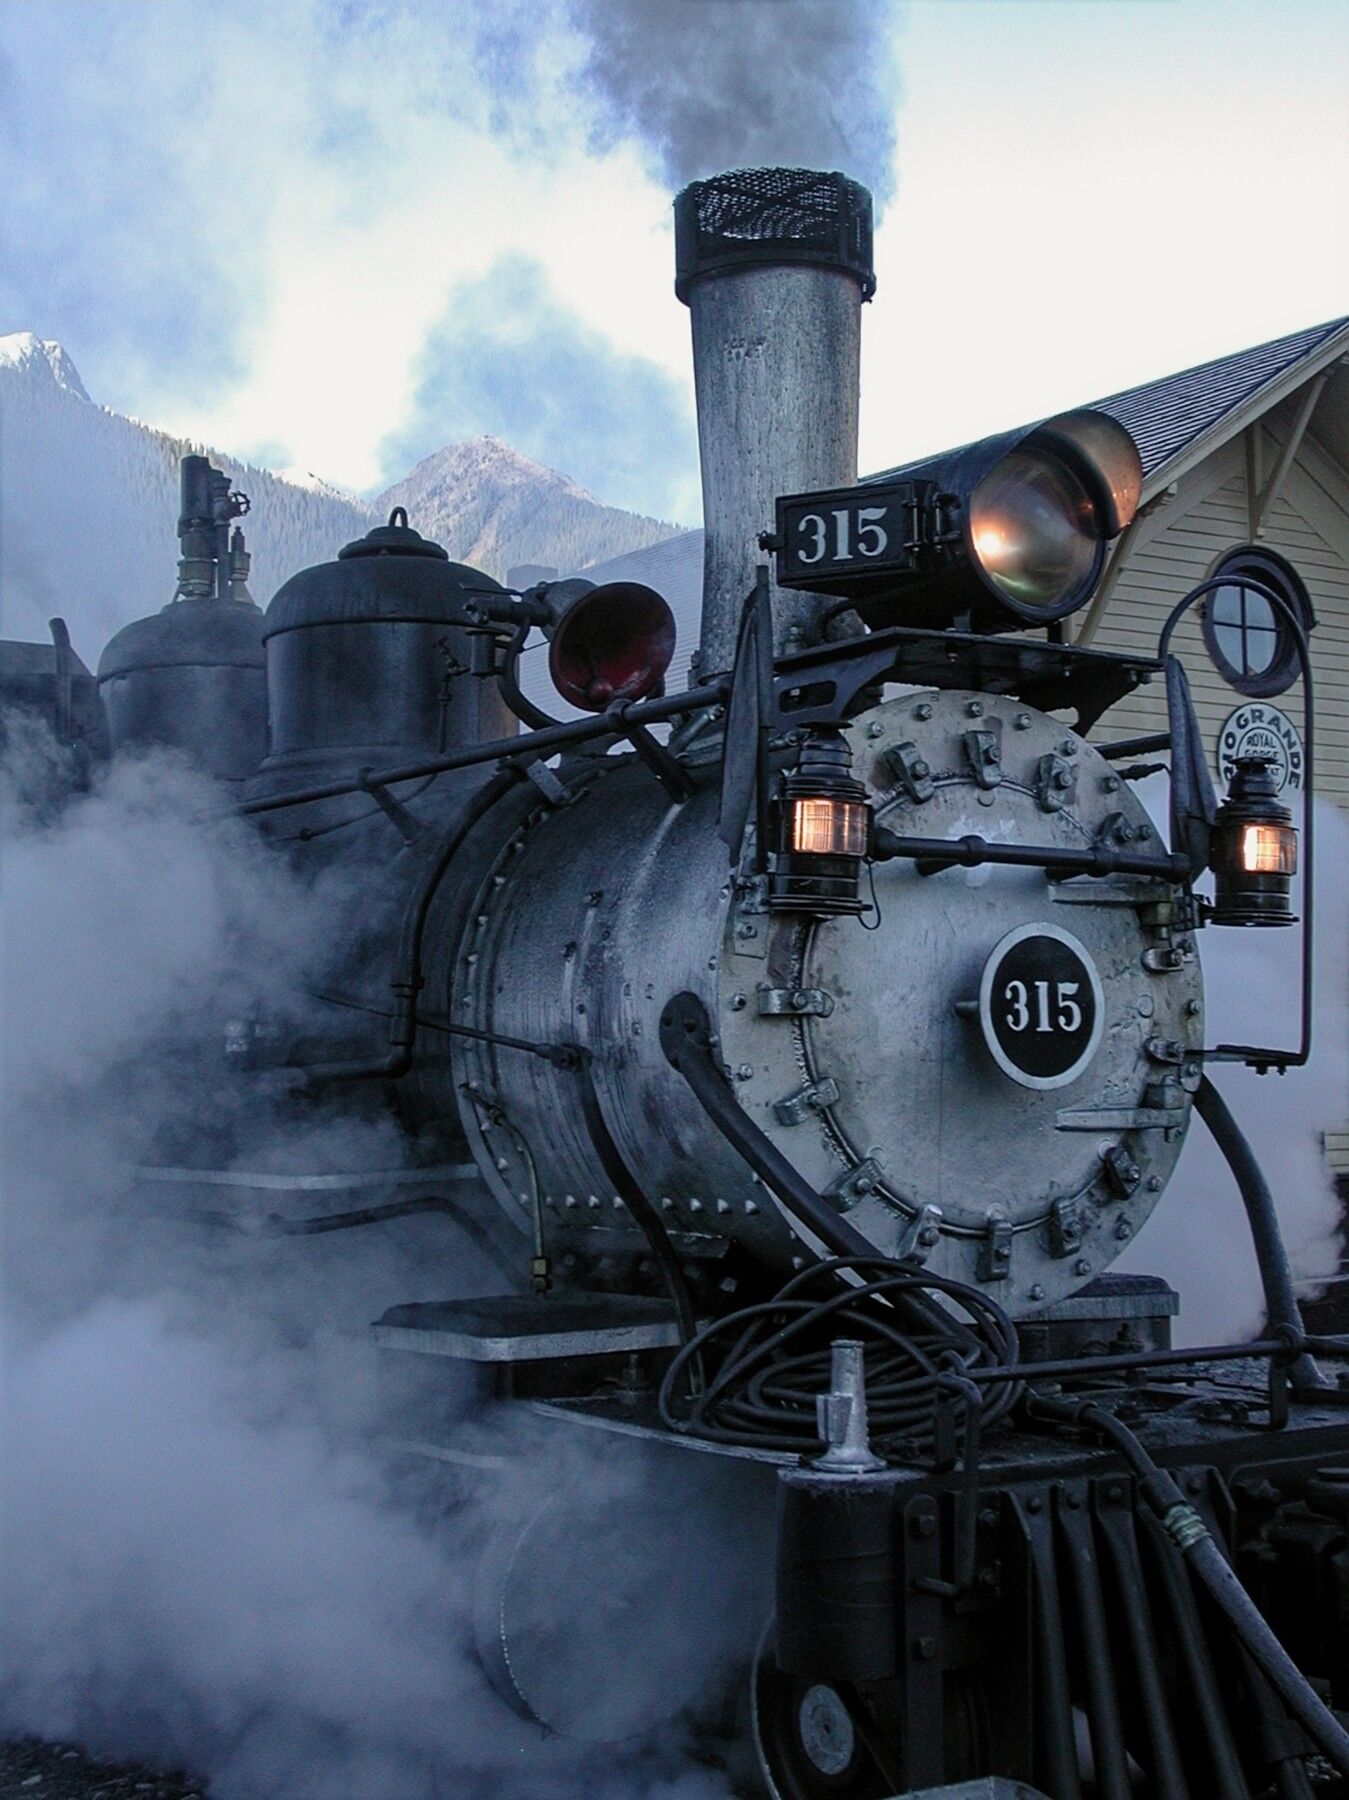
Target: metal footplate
column 524, row 1328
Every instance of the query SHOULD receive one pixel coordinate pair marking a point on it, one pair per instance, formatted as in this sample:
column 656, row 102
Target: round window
column 1248, row 638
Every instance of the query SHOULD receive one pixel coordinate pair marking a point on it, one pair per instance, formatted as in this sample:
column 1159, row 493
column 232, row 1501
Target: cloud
column 509, row 359
column 107, row 236
column 156, row 155
column 245, row 223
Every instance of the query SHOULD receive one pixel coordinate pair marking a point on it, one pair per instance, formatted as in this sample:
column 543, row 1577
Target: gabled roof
column 1170, row 416
column 1174, row 421
column 1166, row 416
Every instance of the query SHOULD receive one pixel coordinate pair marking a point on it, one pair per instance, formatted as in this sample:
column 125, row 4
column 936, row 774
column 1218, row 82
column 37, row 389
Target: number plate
column 845, row 538
column 1040, row 1006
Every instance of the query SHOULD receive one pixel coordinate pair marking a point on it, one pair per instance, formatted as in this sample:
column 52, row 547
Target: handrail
column 524, row 744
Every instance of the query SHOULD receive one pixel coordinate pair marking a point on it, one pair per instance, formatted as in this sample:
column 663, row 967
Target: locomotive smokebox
column 773, row 265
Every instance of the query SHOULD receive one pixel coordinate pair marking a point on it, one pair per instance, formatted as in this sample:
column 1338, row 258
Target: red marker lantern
column 614, row 642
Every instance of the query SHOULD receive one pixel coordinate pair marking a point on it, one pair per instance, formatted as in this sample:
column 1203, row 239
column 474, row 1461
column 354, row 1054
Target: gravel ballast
column 33, row 1770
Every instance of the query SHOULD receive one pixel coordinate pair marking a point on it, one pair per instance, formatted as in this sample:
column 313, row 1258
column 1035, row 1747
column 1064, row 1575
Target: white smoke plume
column 721, row 84
column 1198, row 1237
column 208, row 1557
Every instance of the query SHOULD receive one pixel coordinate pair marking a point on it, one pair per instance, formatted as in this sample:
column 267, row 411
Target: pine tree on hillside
column 89, row 510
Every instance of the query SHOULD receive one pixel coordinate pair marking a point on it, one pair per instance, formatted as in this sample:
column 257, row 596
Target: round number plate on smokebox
column 1040, row 1006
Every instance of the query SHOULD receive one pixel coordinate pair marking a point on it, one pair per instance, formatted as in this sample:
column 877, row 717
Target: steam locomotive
column 803, row 1047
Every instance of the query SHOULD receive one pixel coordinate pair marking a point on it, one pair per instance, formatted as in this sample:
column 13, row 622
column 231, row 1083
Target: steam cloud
column 204, row 1559
column 718, row 84
column 207, row 1558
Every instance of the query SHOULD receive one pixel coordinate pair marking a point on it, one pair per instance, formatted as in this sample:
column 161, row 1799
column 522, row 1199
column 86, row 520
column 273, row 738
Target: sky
column 335, row 235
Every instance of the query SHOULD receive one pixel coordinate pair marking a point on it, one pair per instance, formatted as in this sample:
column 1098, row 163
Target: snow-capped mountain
column 42, row 359
column 494, row 508
column 89, row 507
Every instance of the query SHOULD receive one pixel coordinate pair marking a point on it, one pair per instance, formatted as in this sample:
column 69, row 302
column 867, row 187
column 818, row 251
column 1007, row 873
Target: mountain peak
column 41, row 358
column 492, row 459
column 493, row 507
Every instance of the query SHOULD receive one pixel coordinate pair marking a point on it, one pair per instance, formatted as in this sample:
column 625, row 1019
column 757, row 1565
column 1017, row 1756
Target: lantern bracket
column 672, row 774
column 1259, row 1057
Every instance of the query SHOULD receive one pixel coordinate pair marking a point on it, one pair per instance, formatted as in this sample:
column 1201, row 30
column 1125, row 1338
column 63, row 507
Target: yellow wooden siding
column 1189, row 537
column 1179, row 554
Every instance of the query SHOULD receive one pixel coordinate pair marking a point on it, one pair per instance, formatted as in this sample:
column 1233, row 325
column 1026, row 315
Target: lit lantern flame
column 1269, row 849
column 823, row 827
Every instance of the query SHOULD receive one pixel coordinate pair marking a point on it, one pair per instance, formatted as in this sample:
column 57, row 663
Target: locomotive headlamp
column 821, row 831
column 1005, row 533
column 1253, row 850
column 1030, row 528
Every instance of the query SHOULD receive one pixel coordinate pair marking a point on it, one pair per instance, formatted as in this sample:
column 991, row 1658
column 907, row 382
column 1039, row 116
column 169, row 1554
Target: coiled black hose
column 767, row 1364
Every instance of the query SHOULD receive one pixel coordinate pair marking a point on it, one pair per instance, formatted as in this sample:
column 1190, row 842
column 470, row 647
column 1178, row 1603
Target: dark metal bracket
column 668, row 770
column 1256, row 1056
column 826, row 683
column 406, row 824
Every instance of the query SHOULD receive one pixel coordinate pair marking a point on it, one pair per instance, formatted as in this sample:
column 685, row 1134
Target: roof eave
column 1246, row 412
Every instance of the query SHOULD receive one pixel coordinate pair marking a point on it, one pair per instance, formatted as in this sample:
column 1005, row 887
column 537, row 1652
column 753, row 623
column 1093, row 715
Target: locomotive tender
column 805, row 1069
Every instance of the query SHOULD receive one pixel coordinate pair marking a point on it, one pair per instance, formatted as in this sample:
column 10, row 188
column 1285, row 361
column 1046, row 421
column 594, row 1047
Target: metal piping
column 526, row 745
column 934, row 854
column 1191, row 1537
column 1257, row 1056
column 1276, row 1275
column 685, row 1038
column 408, row 980
column 278, row 1225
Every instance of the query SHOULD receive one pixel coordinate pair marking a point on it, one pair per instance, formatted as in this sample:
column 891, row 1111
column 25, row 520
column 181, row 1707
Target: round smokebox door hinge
column 1041, row 1008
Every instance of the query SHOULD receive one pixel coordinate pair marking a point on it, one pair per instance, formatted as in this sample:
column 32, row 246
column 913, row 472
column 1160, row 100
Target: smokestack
column 774, row 265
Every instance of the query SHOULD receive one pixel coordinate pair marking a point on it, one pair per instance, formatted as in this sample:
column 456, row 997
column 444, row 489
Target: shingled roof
column 1165, row 417
column 1168, row 415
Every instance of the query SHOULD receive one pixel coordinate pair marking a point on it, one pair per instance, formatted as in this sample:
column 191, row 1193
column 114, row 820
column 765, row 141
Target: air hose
column 769, row 1362
column 1276, row 1275
column 1191, row 1537
column 924, row 1334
